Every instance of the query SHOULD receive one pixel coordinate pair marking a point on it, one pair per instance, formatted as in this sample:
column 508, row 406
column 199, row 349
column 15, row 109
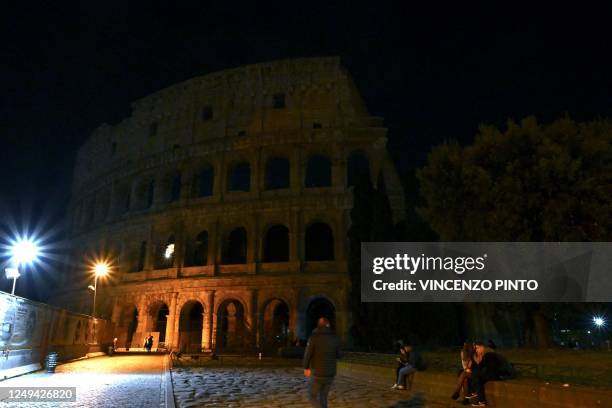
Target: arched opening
column 203, row 183
column 128, row 322
column 175, row 188
column 191, row 322
column 277, row 173
column 357, row 166
column 231, row 329
column 239, row 177
column 318, row 172
column 158, row 313
column 275, row 330
column 319, row 242
column 235, row 247
column 276, row 244
column 199, row 251
column 317, row 308
column 121, row 198
column 142, row 255
column 165, row 254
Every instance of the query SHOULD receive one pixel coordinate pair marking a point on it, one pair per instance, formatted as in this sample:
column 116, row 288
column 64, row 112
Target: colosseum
column 223, row 204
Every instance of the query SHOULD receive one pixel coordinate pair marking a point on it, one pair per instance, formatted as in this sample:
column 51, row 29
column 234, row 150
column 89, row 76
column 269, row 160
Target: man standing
column 320, row 362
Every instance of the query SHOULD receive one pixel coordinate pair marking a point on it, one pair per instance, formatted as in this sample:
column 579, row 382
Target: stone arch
column 197, row 251
column 166, row 253
column 158, row 312
column 235, row 246
column 191, row 322
column 357, row 165
column 317, row 307
column 239, row 177
column 318, row 171
column 319, row 242
column 232, row 333
column 170, row 186
column 144, row 192
column 277, row 173
column 274, row 325
column 122, row 198
column 276, row 244
column 204, row 181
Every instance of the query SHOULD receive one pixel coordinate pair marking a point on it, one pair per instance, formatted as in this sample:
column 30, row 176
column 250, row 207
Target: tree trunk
column 542, row 329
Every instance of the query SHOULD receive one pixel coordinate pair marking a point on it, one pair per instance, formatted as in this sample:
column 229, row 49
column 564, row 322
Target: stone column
column 176, row 329
column 142, row 328
column 339, row 173
column 211, row 257
column 294, row 235
column 296, row 179
column 207, row 324
column 150, row 254
column 171, row 334
column 252, row 321
column 339, row 238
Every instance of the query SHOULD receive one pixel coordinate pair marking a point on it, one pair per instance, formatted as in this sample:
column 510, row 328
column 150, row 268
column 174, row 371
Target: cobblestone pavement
column 280, row 387
column 119, row 381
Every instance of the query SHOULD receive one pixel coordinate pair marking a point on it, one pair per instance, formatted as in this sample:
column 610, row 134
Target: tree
column 530, row 182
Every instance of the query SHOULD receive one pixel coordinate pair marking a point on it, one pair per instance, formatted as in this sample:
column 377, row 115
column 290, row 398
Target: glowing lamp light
column 169, row 251
column 599, row 321
column 24, row 251
column 101, row 269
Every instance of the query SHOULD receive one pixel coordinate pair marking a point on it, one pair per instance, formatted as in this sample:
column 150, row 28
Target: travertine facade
column 223, row 204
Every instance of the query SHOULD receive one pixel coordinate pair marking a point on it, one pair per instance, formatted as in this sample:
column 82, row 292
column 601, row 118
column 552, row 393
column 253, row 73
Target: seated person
column 488, row 365
column 407, row 366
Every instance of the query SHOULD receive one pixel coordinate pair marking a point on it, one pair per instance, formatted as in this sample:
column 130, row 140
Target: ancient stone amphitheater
column 223, row 204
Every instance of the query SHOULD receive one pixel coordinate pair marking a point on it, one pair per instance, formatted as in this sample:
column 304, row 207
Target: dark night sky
column 433, row 77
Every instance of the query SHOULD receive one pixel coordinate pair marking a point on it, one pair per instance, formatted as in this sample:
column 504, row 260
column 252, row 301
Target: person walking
column 322, row 351
column 149, row 343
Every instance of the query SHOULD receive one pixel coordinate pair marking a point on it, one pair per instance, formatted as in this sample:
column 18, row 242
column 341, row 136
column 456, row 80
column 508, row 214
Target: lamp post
column 100, row 269
column 23, row 252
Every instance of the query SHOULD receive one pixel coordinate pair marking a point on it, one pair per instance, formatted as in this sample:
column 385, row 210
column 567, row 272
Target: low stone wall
column 512, row 393
column 29, row 330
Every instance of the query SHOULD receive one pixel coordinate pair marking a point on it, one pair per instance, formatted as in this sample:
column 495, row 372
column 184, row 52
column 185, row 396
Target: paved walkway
column 119, row 381
column 280, row 387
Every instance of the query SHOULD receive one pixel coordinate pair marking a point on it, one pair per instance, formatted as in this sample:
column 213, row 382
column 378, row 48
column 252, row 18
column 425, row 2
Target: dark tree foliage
column 531, row 182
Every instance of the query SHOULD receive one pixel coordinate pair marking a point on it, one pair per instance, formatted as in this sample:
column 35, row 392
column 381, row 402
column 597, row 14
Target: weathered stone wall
column 138, row 188
column 30, row 330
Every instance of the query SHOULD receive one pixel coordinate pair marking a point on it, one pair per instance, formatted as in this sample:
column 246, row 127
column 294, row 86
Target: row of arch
column 232, row 332
column 147, row 190
column 318, row 246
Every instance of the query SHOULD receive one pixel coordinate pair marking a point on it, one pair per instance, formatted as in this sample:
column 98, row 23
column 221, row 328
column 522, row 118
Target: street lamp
column 23, row 252
column 99, row 269
column 599, row 321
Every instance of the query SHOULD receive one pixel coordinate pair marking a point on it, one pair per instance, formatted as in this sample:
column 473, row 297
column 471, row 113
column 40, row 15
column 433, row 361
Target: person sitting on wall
column 465, row 373
column 401, row 360
column 488, row 365
column 408, row 362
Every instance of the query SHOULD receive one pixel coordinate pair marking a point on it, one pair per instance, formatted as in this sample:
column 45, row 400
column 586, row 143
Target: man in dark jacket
column 320, row 362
